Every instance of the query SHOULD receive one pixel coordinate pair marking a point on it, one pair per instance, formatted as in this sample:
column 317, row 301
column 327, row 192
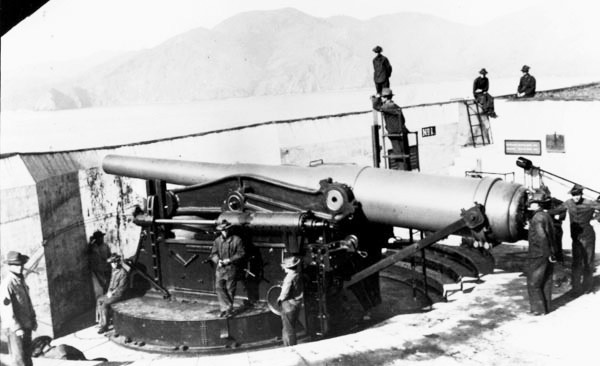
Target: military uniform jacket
column 16, row 309
column 527, row 85
column 541, row 235
column 118, row 282
column 382, row 67
column 580, row 215
column 481, row 83
column 392, row 113
column 292, row 287
column 224, row 248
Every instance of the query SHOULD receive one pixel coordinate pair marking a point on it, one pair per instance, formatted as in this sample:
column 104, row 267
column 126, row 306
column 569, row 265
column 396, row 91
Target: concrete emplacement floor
column 487, row 324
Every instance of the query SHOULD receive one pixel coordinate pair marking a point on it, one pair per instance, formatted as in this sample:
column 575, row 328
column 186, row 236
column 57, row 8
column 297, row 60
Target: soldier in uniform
column 541, row 255
column 16, row 310
column 581, row 212
column 290, row 299
column 227, row 254
column 526, row 87
column 382, row 70
column 98, row 254
column 395, row 123
column 116, row 291
column 481, row 85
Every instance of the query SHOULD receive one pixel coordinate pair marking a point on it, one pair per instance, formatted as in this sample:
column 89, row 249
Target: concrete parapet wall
column 63, row 197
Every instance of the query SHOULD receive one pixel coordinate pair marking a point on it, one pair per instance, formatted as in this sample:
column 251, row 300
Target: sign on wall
column 555, row 143
column 523, row 147
column 428, row 131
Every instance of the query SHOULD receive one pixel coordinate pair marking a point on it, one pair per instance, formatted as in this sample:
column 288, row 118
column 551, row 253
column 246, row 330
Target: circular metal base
column 155, row 324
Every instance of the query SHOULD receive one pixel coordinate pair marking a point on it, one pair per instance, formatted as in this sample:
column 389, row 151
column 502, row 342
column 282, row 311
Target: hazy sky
column 72, row 29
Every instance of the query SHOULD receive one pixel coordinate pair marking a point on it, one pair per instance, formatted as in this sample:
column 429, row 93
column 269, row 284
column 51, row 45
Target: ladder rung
column 396, row 156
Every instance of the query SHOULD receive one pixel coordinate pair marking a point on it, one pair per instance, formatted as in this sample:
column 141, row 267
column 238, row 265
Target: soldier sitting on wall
column 116, row 291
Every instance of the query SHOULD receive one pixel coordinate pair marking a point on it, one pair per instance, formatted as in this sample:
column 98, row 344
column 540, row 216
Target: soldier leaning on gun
column 16, row 310
column 581, row 212
column 227, row 252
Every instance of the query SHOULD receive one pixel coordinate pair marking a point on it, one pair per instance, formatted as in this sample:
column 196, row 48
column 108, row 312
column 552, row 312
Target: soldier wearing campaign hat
column 382, row 70
column 227, row 254
column 541, row 258
column 481, row 86
column 581, row 212
column 116, row 291
column 290, row 298
column 16, row 310
column 526, row 87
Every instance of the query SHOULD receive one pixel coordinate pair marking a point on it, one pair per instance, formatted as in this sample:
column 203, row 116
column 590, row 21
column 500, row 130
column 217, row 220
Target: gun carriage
column 337, row 218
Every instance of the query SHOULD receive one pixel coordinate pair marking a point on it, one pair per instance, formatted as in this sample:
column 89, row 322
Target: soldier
column 382, row 70
column 395, row 123
column 581, row 212
column 98, row 254
column 290, row 299
column 481, row 85
column 526, row 84
column 541, row 254
column 16, row 310
column 116, row 291
column 227, row 253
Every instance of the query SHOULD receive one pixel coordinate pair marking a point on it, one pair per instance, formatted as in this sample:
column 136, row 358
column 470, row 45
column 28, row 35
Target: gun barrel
column 398, row 198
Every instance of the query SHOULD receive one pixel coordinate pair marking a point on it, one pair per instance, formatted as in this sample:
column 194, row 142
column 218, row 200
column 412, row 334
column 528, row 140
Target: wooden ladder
column 479, row 134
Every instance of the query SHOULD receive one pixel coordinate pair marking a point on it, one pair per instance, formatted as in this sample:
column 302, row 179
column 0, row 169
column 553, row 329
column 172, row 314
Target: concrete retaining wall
column 64, row 197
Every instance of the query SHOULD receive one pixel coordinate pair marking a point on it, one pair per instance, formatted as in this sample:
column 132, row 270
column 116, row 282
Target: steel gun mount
column 337, row 218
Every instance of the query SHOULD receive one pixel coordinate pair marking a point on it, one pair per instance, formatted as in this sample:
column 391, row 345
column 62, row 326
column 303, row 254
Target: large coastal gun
column 337, row 218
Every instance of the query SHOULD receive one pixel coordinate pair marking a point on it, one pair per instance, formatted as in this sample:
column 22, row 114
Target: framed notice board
column 522, row 147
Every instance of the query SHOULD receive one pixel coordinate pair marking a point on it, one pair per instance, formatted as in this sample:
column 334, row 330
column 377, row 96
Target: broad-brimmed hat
column 114, row 258
column 16, row 258
column 98, row 234
column 576, row 190
column 387, row 92
column 377, row 49
column 290, row 262
column 540, row 195
column 483, row 71
column 525, row 68
column 223, row 225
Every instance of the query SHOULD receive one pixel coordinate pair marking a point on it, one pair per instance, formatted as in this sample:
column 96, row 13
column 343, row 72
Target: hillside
column 287, row 51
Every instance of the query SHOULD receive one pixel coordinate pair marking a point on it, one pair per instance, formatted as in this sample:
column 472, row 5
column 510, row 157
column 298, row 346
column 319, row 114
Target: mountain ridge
column 287, row 51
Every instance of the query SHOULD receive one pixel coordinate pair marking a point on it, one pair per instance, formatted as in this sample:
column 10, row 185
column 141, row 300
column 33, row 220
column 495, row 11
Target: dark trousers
column 558, row 250
column 252, row 286
column 379, row 86
column 290, row 310
column 19, row 348
column 225, row 286
column 539, row 284
column 103, row 309
column 486, row 101
column 582, row 270
column 400, row 147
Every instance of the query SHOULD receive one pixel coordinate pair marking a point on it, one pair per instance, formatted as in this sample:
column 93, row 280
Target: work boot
column 103, row 329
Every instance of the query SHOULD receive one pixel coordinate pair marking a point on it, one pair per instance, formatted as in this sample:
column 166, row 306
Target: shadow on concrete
column 487, row 313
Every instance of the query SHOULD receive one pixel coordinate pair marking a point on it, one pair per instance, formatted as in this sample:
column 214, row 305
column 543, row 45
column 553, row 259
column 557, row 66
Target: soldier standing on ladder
column 395, row 125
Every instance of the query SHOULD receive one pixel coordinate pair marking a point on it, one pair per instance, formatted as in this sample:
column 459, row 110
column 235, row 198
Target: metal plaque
column 428, row 131
column 522, row 147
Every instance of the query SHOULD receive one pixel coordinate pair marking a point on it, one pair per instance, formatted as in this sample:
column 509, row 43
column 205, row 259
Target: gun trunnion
column 337, row 218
